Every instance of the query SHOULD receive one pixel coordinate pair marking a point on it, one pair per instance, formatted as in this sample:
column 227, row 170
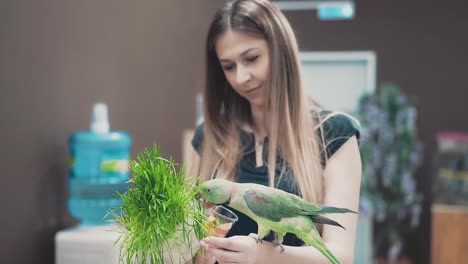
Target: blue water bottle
column 99, row 168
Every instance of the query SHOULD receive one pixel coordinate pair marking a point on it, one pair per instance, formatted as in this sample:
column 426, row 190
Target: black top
column 337, row 130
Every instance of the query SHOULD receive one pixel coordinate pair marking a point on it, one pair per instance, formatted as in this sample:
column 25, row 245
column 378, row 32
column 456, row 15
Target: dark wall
column 145, row 59
column 423, row 47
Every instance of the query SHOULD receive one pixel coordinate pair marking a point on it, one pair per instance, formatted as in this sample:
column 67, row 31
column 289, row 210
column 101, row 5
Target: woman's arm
column 342, row 184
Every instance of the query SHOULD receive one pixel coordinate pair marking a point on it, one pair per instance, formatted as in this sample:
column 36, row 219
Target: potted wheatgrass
column 160, row 220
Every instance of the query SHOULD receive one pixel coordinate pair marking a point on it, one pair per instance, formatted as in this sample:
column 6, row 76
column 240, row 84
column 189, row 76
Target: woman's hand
column 202, row 257
column 236, row 249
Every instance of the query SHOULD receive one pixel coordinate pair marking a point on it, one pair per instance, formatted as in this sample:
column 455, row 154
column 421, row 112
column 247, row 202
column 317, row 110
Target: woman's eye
column 228, row 67
column 252, row 58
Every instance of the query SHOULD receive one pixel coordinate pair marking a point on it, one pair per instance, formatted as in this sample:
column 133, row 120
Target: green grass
column 159, row 212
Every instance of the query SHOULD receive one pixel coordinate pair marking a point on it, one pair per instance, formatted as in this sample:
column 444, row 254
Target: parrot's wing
column 307, row 208
column 276, row 205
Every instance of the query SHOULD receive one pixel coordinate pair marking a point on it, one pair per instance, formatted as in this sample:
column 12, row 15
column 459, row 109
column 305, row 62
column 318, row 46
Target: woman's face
column 245, row 62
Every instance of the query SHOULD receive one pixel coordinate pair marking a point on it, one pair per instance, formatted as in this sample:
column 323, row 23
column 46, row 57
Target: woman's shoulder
column 335, row 128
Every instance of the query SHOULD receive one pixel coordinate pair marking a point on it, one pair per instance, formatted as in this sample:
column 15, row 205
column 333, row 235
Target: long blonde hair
column 290, row 126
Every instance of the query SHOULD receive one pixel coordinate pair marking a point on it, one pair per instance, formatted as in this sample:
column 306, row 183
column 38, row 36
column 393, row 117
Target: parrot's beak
column 205, row 202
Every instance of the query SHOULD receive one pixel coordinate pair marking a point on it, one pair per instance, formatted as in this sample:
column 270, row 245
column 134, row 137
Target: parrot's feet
column 255, row 236
column 277, row 243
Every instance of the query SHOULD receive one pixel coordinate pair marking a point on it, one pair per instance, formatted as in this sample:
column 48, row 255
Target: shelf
column 449, row 233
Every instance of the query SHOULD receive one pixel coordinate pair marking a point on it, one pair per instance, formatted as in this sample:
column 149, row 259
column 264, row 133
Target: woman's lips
column 253, row 89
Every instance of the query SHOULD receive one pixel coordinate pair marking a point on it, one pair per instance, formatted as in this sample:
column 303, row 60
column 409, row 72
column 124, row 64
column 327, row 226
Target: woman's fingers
column 226, row 243
column 236, row 249
column 223, row 255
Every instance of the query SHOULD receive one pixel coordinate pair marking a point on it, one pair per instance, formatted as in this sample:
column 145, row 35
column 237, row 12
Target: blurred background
column 145, row 60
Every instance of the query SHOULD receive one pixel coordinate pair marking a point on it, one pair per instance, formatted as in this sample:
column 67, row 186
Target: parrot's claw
column 276, row 243
column 255, row 236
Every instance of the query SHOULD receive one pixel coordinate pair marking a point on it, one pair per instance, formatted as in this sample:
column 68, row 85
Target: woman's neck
column 258, row 126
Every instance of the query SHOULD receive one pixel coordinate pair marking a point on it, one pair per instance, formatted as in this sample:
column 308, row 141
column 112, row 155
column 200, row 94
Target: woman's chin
column 257, row 103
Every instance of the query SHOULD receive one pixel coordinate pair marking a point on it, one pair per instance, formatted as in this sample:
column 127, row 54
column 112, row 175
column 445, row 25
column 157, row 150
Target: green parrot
column 274, row 210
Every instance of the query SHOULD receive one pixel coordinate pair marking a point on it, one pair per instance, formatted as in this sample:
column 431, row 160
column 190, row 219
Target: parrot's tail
column 329, row 255
column 334, row 210
column 320, row 219
column 313, row 239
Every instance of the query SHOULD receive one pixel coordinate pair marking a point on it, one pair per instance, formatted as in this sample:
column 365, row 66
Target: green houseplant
column 160, row 219
column 391, row 153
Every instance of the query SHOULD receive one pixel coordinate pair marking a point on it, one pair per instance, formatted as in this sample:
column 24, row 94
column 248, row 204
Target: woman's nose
column 243, row 75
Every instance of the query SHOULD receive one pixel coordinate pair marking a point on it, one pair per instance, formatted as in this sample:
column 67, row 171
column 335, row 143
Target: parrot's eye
column 208, row 190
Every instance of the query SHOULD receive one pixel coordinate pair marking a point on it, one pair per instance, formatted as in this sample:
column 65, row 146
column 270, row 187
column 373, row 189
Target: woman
column 260, row 128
